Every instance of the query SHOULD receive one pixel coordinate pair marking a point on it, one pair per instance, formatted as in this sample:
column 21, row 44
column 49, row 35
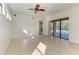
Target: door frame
column 40, row 27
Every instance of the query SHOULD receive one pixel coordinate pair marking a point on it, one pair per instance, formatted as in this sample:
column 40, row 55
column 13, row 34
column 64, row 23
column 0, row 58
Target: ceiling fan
column 37, row 8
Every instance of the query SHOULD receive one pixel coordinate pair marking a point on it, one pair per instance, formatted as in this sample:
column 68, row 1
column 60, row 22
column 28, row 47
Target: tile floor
column 42, row 45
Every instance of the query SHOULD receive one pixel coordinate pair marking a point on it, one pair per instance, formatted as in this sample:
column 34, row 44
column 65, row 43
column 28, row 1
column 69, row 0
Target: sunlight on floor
column 41, row 49
column 36, row 52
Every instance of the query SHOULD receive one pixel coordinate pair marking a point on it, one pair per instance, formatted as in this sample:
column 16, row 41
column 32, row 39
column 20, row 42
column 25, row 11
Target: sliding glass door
column 65, row 29
column 56, row 28
column 61, row 28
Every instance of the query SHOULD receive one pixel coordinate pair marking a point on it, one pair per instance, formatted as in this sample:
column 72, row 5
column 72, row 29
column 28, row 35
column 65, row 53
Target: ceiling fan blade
column 31, row 9
column 37, row 6
column 41, row 9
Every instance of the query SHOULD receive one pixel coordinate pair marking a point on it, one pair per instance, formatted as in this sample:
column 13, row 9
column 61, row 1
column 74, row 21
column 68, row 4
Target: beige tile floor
column 42, row 45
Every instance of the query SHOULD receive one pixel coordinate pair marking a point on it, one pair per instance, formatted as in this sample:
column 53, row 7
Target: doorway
column 40, row 27
column 61, row 28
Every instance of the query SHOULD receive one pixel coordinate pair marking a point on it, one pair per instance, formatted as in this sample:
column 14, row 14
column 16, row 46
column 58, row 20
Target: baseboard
column 21, row 37
column 77, row 42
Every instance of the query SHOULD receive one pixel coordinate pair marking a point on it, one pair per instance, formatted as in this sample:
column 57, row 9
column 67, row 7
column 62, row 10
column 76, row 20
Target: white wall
column 45, row 25
column 5, row 33
column 73, row 14
column 22, row 23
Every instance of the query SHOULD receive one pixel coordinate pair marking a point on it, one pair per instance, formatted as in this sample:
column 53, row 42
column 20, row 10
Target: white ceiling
column 49, row 7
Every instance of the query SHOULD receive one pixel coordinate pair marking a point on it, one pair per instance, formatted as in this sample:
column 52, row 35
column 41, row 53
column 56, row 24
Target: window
column 0, row 7
column 7, row 13
column 3, row 11
column 10, row 17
